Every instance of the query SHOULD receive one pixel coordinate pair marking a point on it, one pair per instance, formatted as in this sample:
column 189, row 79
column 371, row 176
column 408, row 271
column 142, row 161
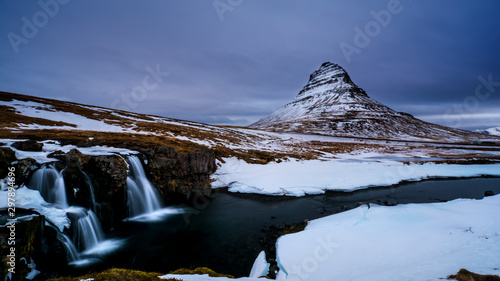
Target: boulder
column 28, row 145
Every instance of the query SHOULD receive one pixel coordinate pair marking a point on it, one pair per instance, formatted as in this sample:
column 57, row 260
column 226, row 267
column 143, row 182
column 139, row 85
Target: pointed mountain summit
column 331, row 104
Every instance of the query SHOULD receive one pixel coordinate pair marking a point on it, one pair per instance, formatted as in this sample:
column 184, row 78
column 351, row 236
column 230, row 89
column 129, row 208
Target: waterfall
column 71, row 252
column 91, row 188
column 142, row 197
column 87, row 231
column 87, row 242
column 50, row 183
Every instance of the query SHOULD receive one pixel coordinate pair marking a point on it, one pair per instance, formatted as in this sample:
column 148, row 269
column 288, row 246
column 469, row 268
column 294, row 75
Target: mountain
column 331, row 104
column 495, row 131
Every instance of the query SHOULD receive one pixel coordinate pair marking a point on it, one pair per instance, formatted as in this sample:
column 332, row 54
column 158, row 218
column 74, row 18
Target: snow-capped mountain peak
column 495, row 131
column 329, row 76
column 332, row 104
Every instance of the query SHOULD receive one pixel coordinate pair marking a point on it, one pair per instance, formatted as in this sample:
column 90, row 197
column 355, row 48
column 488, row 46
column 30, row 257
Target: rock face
column 29, row 145
column 180, row 175
column 35, row 241
column 97, row 183
column 177, row 176
column 332, row 104
column 7, row 156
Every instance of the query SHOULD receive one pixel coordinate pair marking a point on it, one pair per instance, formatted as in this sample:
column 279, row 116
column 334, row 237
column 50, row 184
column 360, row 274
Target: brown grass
column 200, row 270
column 165, row 134
column 117, row 274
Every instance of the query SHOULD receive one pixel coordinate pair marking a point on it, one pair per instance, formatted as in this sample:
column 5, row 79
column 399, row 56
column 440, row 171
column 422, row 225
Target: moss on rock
column 200, row 270
column 117, row 274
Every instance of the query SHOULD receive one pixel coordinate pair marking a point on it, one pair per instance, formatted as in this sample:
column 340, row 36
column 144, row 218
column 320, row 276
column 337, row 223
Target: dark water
column 223, row 234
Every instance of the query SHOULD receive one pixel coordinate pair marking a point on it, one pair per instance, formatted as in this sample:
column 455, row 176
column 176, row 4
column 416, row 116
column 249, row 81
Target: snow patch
column 348, row 173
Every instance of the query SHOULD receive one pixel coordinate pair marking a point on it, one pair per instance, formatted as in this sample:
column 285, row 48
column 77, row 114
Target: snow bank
column 260, row 266
column 298, row 178
column 31, row 199
column 405, row 242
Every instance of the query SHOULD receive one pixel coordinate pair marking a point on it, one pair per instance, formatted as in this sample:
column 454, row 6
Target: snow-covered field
column 405, row 242
column 347, row 173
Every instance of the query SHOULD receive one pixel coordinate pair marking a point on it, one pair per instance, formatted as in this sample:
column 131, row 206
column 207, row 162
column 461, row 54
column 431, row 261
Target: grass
column 200, row 270
column 465, row 275
column 117, row 274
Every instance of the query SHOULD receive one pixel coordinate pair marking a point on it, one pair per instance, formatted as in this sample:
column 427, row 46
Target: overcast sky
column 235, row 61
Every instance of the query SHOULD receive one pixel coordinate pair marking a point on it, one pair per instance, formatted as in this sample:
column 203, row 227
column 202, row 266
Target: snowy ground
column 347, row 173
column 405, row 242
column 51, row 146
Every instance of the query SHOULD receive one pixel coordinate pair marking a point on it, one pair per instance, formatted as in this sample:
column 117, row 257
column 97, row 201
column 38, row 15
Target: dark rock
column 74, row 158
column 58, row 154
column 24, row 168
column 84, row 143
column 29, row 145
column 388, row 203
column 108, row 175
column 104, row 176
column 345, row 208
column 363, row 203
column 7, row 156
column 268, row 242
column 29, row 233
column 489, row 193
column 181, row 175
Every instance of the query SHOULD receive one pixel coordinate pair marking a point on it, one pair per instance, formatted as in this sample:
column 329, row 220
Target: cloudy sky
column 234, row 61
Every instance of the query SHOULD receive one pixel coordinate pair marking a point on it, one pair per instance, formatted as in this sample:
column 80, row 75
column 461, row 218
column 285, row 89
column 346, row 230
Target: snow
column 31, row 199
column 260, row 266
column 495, row 131
column 348, row 173
column 205, row 277
column 44, row 111
column 32, row 266
column 50, row 146
column 404, row 242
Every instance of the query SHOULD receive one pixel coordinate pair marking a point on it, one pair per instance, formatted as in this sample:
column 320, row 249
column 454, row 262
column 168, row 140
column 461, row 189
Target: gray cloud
column 426, row 60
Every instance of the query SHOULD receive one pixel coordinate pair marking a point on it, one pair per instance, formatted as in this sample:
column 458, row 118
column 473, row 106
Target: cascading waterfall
column 50, row 183
column 71, row 251
column 142, row 197
column 87, row 241
column 91, row 188
column 87, row 230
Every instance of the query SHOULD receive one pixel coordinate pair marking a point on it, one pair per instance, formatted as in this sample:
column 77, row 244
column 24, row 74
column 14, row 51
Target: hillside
column 28, row 117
